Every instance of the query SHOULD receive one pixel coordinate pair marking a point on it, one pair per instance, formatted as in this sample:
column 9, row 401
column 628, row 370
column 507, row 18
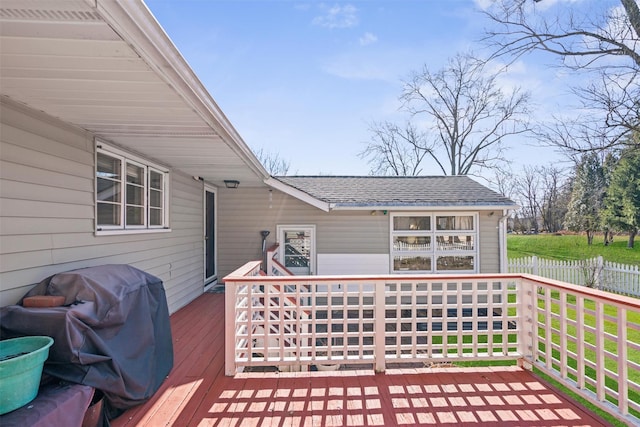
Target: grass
column 572, row 247
column 610, row 343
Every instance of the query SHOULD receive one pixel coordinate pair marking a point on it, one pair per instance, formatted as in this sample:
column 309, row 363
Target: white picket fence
column 594, row 273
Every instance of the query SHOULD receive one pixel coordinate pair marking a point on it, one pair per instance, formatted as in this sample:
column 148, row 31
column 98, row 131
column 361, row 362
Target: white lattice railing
column 587, row 339
column 590, row 341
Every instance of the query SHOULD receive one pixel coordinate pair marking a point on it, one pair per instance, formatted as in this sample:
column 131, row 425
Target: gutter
column 435, row 208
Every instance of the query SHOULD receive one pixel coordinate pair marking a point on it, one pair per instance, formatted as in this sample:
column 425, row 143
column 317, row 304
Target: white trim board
column 360, row 264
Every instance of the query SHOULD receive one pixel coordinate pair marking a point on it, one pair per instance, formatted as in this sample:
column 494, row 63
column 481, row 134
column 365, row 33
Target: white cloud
column 368, row 38
column 338, row 17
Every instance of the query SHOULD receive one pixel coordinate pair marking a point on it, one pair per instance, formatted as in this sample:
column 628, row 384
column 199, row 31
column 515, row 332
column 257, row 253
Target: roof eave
column 137, row 25
column 298, row 194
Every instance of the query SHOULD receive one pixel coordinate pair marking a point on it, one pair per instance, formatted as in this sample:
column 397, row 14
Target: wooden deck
column 197, row 393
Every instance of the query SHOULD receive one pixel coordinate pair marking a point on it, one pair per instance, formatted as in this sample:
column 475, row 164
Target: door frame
column 209, row 282
column 280, row 229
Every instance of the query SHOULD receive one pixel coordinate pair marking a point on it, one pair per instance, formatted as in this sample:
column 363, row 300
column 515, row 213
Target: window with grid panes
column 131, row 194
column 430, row 242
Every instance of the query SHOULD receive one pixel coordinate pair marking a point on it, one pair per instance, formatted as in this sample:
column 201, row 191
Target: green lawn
column 574, row 247
column 610, row 344
column 571, row 247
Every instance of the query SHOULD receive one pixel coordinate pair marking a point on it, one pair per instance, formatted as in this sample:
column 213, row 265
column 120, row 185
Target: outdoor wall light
column 231, row 183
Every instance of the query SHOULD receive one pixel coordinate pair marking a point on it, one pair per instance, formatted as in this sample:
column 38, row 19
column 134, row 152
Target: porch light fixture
column 231, row 183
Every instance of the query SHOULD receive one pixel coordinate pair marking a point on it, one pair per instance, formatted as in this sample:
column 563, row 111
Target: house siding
column 47, row 213
column 244, row 212
column 489, row 241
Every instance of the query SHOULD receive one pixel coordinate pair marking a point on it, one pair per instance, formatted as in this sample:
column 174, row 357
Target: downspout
column 502, row 238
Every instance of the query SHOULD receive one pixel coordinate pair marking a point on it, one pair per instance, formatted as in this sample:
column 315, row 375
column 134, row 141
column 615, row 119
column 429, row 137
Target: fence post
column 379, row 326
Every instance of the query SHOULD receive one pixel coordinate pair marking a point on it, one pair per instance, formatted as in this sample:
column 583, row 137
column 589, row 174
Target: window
column 131, row 194
column 428, row 243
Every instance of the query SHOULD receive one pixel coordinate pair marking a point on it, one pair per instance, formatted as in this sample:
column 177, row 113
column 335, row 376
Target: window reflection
column 412, row 223
column 401, row 263
column 455, row 242
column 412, row 243
column 454, row 222
column 455, row 263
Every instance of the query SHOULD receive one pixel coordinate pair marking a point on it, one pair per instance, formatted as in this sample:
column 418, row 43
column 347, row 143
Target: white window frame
column 127, row 158
column 433, row 252
column 280, row 229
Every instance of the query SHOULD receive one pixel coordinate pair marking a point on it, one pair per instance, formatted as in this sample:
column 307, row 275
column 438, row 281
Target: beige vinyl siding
column 47, row 213
column 244, row 212
column 488, row 238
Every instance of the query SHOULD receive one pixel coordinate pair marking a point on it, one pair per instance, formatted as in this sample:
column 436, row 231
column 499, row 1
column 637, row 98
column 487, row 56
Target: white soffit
column 109, row 68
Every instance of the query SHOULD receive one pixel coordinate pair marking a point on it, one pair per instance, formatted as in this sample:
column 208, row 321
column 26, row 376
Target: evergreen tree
column 622, row 211
column 583, row 211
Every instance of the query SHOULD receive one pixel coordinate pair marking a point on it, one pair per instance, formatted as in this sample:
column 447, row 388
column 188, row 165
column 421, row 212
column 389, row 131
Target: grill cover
column 114, row 334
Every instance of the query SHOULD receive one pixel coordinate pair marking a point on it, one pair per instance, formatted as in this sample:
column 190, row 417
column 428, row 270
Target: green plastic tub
column 21, row 362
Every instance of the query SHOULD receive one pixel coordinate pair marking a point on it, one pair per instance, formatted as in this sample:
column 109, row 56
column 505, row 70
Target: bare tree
column 556, row 194
column 394, row 150
column 468, row 114
column 612, row 114
column 581, row 38
column 504, row 182
column 543, row 193
column 528, row 190
column 601, row 40
column 273, row 163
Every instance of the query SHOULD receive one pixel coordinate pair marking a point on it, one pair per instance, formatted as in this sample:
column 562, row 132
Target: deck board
column 196, row 392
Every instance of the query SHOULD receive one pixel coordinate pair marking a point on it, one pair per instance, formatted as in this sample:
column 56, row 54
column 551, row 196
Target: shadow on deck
column 197, row 393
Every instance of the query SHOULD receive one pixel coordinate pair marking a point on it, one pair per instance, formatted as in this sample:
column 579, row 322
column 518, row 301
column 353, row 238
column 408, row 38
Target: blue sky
column 305, row 79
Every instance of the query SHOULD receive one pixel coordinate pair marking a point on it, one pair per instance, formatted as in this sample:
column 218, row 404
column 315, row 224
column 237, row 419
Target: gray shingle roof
column 392, row 191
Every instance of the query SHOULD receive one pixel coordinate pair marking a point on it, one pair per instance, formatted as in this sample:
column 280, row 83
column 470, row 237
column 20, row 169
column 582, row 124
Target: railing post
column 623, row 367
column 534, row 266
column 379, row 326
column 230, row 328
column 269, row 266
column 272, row 252
column 600, row 349
column 526, row 342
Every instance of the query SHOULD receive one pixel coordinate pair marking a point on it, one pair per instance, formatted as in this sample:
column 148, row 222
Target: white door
column 297, row 251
